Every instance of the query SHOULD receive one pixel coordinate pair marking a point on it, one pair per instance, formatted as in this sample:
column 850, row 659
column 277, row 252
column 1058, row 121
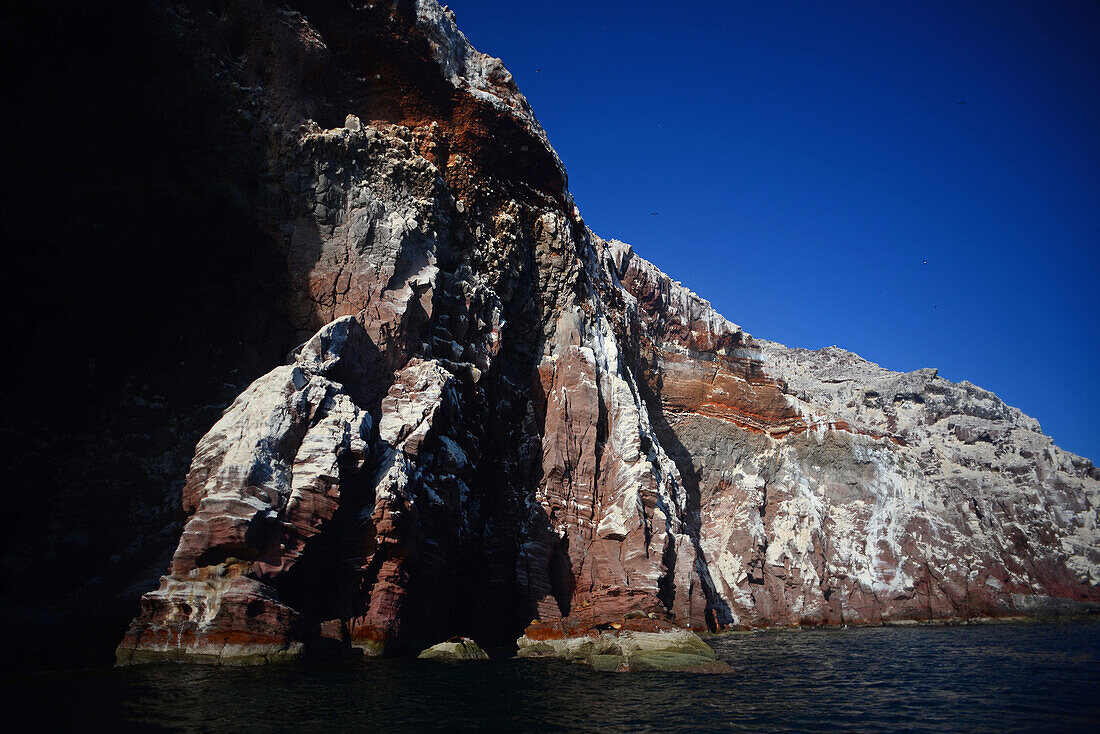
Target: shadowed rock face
column 496, row 417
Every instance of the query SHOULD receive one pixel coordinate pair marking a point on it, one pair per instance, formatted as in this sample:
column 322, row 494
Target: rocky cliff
column 499, row 423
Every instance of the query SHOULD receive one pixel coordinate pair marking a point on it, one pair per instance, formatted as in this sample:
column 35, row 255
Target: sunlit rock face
column 499, row 421
column 832, row 491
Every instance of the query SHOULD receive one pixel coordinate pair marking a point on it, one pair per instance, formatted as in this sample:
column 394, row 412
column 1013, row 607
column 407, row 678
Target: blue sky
column 916, row 182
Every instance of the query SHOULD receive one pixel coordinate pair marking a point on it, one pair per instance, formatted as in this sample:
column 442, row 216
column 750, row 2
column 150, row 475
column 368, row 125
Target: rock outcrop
column 496, row 416
column 456, row 649
column 645, row 648
column 832, row 491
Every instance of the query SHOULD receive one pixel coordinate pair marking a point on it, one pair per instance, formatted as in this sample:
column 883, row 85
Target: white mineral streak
column 316, row 468
column 408, row 409
column 410, row 412
column 629, row 427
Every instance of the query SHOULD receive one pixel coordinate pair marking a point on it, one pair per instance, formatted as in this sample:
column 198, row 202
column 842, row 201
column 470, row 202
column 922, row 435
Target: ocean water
column 998, row 678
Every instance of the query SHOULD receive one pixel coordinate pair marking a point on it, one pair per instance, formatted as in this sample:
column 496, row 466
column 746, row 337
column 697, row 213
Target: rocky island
column 492, row 422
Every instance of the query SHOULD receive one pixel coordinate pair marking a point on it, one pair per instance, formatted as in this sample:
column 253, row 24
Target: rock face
column 496, row 416
column 833, row 491
column 264, row 481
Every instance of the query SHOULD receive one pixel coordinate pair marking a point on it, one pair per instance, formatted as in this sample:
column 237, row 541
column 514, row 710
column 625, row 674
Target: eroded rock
column 264, row 482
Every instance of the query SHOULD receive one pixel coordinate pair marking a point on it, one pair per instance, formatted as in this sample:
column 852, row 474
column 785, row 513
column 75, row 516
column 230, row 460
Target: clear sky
column 917, row 182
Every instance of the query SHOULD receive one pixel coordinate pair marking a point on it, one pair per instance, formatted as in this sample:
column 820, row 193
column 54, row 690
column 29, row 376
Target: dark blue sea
column 998, row 678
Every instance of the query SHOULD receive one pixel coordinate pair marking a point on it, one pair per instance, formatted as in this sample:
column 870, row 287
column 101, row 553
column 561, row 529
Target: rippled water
column 1036, row 677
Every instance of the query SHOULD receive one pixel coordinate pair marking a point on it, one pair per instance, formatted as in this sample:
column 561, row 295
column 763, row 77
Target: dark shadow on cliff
column 139, row 297
column 491, row 604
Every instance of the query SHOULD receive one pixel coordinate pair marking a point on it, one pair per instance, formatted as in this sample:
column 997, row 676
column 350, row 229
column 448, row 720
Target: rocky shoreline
column 640, row 642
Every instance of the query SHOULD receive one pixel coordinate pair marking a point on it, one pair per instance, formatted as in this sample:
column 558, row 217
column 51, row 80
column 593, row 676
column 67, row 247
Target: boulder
column 454, row 649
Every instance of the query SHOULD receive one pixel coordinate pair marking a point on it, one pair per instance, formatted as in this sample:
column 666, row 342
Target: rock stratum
column 500, row 424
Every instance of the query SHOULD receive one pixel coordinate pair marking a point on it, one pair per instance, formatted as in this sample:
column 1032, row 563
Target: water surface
column 1027, row 677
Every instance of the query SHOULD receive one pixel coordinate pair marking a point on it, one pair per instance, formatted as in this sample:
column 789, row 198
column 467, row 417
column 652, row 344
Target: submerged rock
column 456, row 648
column 669, row 650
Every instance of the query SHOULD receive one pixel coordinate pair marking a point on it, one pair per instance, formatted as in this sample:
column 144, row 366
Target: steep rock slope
column 832, row 491
column 499, row 421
